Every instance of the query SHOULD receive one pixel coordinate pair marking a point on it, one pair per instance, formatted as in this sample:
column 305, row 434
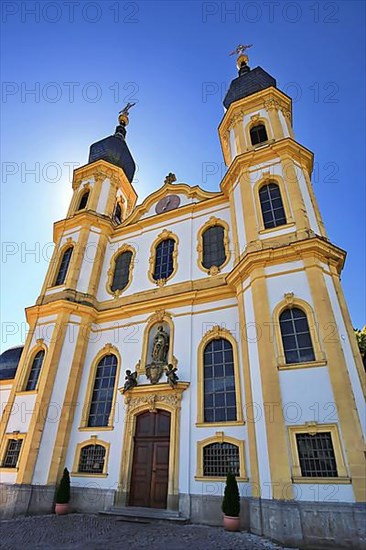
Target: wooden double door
column 150, row 468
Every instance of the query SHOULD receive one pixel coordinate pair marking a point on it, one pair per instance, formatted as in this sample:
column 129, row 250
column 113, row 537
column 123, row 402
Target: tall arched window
column 164, row 260
column 35, row 371
column 121, row 272
column 296, row 337
column 219, row 381
column 64, row 265
column 258, row 134
column 272, row 206
column 213, row 252
column 92, row 459
column 103, row 390
column 84, row 200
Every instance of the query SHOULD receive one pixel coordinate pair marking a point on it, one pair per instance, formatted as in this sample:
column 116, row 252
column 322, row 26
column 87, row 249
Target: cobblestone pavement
column 79, row 531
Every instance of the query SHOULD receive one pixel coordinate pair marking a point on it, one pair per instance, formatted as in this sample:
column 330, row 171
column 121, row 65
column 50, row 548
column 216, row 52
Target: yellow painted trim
column 212, row 222
column 271, row 230
column 214, row 334
column 8, row 382
column 308, row 365
column 165, row 234
column 220, row 437
column 98, row 265
column 108, row 349
column 79, row 448
column 220, row 424
column 110, row 273
column 323, row 480
column 291, row 301
column 4, row 448
column 314, row 428
column 149, row 398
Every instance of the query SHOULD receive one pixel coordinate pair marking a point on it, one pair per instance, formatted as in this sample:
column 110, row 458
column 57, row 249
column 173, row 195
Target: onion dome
column 9, row 361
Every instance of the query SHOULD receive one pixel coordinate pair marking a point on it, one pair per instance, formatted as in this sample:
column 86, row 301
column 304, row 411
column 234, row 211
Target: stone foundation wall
column 305, row 525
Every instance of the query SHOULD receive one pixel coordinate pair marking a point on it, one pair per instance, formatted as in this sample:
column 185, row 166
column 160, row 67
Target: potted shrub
column 231, row 504
column 63, row 494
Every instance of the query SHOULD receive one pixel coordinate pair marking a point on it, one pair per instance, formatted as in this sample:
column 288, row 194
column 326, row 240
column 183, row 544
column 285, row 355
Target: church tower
column 190, row 336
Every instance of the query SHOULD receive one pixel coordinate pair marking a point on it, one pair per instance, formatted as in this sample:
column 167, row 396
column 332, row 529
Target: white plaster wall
column 307, row 200
column 307, row 396
column 4, row 396
column 233, row 150
column 327, row 492
column 286, row 133
column 186, row 229
column 22, row 412
column 103, row 197
column 257, row 395
column 90, row 255
column 238, row 202
column 295, row 282
column 54, row 410
column 8, row 477
column 347, row 350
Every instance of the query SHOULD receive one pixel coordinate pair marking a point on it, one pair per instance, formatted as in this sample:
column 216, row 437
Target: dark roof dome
column 9, row 361
column 114, row 149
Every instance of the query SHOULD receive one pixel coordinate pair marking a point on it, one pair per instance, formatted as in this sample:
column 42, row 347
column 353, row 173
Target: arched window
column 220, row 459
column 164, row 260
column 258, row 134
column 296, row 337
column 92, row 459
column 35, row 371
column 272, row 207
column 84, row 200
column 213, row 253
column 219, row 381
column 62, row 270
column 103, row 390
column 117, row 216
column 121, row 272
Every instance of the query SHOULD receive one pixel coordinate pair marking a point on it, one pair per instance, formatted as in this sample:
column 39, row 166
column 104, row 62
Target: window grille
column 12, row 453
column 92, row 459
column 316, row 455
column 219, row 459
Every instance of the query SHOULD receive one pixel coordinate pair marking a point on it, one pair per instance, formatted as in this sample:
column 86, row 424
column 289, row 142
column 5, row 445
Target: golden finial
column 242, row 58
column 123, row 115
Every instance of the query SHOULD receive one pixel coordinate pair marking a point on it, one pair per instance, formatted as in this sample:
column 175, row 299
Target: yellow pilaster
column 69, row 405
column 45, row 387
column 295, row 196
column 275, row 425
column 339, row 377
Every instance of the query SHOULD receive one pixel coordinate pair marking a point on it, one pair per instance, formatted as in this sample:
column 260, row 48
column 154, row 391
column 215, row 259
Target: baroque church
column 195, row 334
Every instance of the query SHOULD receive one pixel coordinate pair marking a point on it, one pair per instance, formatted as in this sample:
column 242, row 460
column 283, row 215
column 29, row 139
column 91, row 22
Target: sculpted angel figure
column 131, row 380
column 171, row 375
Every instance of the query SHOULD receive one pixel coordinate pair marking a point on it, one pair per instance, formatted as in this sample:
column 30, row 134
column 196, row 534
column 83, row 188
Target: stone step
column 139, row 514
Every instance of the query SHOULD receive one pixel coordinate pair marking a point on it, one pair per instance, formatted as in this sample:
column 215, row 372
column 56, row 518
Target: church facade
column 195, row 334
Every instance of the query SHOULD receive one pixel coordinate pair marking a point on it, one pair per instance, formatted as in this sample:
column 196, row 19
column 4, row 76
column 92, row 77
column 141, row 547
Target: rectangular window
column 12, row 453
column 316, row 455
column 219, row 459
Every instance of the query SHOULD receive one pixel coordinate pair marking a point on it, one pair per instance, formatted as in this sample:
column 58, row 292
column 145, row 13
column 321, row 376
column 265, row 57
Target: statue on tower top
column 240, row 49
column 242, row 59
column 123, row 114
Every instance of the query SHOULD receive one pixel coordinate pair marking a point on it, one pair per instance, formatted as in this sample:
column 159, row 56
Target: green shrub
column 63, row 490
column 231, row 501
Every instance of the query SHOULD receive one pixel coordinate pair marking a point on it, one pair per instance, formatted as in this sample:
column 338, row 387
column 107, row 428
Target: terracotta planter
column 62, row 509
column 231, row 523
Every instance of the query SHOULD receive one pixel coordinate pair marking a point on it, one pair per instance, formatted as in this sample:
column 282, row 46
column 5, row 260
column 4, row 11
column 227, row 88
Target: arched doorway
column 150, row 466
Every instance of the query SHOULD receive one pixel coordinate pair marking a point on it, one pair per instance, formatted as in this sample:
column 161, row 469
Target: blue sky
column 85, row 60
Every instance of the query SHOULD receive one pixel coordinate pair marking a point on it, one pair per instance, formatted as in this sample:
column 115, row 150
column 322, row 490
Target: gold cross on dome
column 171, row 178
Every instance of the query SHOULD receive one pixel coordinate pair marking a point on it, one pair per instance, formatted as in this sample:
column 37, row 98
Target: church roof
column 9, row 361
column 248, row 82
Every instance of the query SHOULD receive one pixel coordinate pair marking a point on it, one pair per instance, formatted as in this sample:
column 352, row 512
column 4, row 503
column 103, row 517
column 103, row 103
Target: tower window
column 316, row 455
column 213, row 247
column 296, row 337
column 84, row 200
column 92, row 459
column 121, row 273
column 102, row 397
column 272, row 207
column 164, row 261
column 258, row 134
column 220, row 459
column 64, row 265
column 35, row 371
column 12, row 453
column 219, row 381
column 117, row 216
